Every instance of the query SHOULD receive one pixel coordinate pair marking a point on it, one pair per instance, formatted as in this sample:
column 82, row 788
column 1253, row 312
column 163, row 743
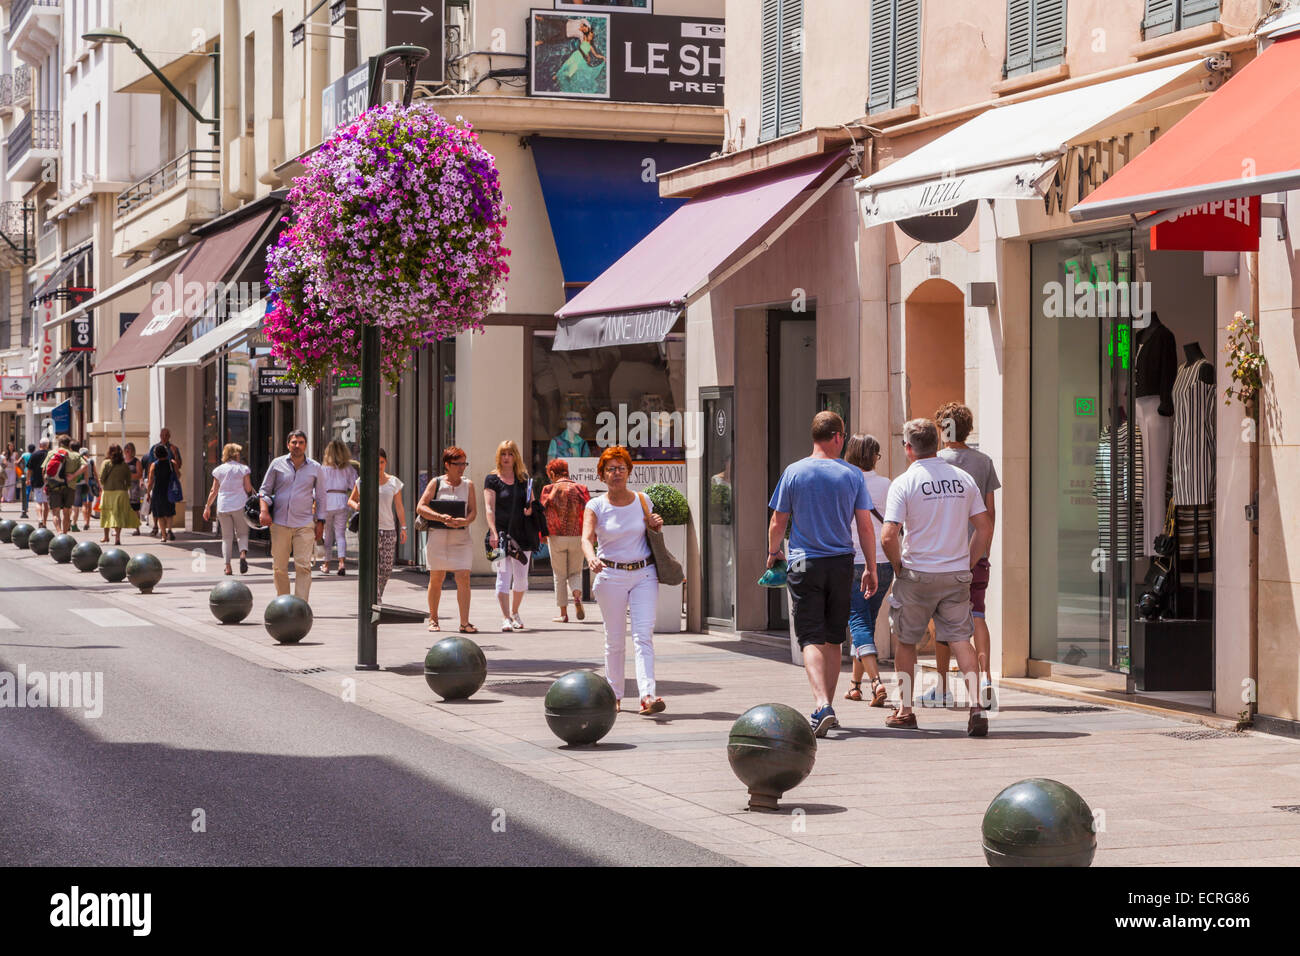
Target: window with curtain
column 1169, row 16
column 1035, row 35
column 781, row 98
column 894, row 58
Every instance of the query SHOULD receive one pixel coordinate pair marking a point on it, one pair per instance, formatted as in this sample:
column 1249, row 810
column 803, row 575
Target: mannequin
column 569, row 443
column 1154, row 370
column 1193, row 443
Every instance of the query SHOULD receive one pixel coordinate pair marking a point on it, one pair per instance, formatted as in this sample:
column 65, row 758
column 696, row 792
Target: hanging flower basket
column 398, row 223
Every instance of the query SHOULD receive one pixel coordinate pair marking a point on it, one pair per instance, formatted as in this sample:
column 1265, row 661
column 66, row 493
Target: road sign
column 416, row 23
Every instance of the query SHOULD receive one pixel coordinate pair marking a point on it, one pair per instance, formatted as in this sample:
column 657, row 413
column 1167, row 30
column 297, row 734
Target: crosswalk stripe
column 7, row 625
column 110, row 617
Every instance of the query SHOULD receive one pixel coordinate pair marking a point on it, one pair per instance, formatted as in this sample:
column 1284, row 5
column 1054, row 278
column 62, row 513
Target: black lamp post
column 368, row 543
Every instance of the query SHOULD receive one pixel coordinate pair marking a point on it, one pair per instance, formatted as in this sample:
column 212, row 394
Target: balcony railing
column 194, row 164
column 17, row 229
column 20, row 8
column 7, row 91
column 38, row 129
column 22, row 83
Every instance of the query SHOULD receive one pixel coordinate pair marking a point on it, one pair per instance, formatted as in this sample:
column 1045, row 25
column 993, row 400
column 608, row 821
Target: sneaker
column 897, row 722
column 506, row 625
column 931, row 699
column 516, row 623
column 243, row 565
column 978, row 725
column 822, row 720
column 75, row 528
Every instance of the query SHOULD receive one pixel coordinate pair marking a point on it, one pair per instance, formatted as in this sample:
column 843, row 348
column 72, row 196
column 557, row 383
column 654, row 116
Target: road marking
column 7, row 625
column 110, row 617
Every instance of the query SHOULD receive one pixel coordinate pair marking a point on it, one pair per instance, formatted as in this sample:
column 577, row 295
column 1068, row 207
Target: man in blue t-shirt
column 820, row 497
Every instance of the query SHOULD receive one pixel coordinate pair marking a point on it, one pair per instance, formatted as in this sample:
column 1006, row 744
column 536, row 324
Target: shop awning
column 1011, row 152
column 1242, row 141
column 52, row 380
column 133, row 281
column 212, row 345
column 678, row 262
column 49, row 289
column 210, row 260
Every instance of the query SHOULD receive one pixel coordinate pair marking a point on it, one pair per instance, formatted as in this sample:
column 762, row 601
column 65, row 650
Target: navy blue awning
column 602, row 197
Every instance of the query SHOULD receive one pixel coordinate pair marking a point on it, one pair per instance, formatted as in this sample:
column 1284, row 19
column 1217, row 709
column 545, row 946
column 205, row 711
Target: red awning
column 211, row 260
column 1243, row 140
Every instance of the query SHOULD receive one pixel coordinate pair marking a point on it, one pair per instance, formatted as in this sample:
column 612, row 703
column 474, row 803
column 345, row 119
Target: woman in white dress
column 390, row 502
column 231, row 486
column 449, row 548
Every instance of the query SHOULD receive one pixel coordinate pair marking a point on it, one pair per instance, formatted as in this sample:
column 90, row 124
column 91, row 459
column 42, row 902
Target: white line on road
column 110, row 617
column 7, row 625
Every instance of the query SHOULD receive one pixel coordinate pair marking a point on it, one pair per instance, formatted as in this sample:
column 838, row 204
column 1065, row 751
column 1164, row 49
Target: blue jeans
column 863, row 611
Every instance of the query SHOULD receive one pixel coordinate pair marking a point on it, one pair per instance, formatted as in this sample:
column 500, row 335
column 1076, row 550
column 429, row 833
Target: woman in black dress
column 160, row 503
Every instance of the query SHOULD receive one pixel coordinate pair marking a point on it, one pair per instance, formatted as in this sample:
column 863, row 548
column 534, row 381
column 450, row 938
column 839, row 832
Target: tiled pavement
column 876, row 796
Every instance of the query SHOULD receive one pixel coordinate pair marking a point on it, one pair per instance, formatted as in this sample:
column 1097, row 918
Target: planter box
column 668, row 609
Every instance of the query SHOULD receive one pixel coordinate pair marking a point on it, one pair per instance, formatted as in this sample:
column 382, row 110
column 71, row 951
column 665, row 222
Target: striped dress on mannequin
column 1193, row 447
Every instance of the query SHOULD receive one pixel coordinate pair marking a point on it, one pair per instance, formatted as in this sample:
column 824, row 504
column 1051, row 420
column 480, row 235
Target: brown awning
column 211, row 260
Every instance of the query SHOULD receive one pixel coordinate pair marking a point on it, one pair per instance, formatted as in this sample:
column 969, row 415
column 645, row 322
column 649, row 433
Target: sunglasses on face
column 460, row 462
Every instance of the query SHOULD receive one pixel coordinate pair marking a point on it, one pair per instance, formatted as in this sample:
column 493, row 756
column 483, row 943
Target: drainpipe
column 1252, row 268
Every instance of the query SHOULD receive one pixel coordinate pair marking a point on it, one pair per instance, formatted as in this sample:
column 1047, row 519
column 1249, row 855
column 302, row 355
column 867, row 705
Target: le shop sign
column 1228, row 226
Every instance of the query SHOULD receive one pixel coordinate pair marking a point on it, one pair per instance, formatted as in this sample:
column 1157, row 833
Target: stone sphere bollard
column 455, row 668
column 230, row 602
column 771, row 749
column 7, row 526
column 288, row 619
column 144, row 571
column 112, row 565
column 85, row 556
column 61, row 548
column 1039, row 822
column 20, row 535
column 580, row 707
column 39, row 540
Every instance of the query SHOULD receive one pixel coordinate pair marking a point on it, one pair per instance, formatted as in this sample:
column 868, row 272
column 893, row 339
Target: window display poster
column 644, row 474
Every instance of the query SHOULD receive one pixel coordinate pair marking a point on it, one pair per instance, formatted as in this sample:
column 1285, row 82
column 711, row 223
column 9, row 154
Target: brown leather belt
column 634, row 566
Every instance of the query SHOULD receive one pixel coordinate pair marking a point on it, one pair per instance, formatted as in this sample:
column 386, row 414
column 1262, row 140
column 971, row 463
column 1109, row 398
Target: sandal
column 854, row 692
column 651, row 705
column 897, row 722
column 433, row 626
column 879, row 693
column 468, row 629
column 560, row 620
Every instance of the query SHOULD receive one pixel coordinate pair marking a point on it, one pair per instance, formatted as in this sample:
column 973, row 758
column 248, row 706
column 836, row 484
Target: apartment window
column 781, row 98
column 350, row 54
column 277, row 66
column 85, row 145
column 1169, row 16
column 98, row 154
column 250, row 83
column 72, row 154
column 1035, row 35
column 894, row 64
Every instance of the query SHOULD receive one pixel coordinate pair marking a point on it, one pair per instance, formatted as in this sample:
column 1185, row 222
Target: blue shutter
column 770, row 70
column 880, row 66
column 1195, row 12
column 789, row 113
column 1159, row 18
column 1049, row 32
column 907, row 51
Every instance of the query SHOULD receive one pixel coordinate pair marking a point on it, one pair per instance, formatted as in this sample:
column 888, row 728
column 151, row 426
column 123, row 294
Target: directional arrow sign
column 416, row 24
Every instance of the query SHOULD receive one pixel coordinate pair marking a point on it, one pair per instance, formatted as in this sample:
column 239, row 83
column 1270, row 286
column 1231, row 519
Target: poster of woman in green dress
column 569, row 54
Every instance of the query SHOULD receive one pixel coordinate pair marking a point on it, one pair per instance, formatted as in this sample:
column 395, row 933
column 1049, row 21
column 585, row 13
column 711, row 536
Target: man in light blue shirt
column 296, row 484
column 819, row 497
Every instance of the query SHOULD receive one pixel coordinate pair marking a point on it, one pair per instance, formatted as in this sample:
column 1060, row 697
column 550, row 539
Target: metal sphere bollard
column 61, row 548
column 39, row 540
column 20, row 535
column 580, row 707
column 112, row 565
column 771, row 749
column 1039, row 822
column 7, row 526
column 455, row 668
column 85, row 556
column 288, row 619
column 230, row 601
column 144, row 571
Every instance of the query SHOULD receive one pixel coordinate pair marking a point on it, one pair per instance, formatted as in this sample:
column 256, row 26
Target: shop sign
column 627, row 57
column 1231, row 225
column 14, row 386
column 271, row 381
column 619, row 328
column 344, row 100
column 644, row 474
column 1085, row 406
column 81, row 334
column 942, row 225
column 416, row 23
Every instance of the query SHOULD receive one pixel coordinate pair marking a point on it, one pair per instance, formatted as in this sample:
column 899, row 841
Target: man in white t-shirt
column 932, row 502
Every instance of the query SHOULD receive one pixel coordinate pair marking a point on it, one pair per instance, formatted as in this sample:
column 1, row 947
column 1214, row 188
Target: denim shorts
column 863, row 611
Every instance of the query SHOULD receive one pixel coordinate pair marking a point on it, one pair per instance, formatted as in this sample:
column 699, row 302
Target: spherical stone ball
column 20, row 535
column 230, row 601
column 1039, row 822
column 112, row 564
column 771, row 749
column 61, row 548
column 580, row 707
column 85, row 556
column 144, row 571
column 7, row 526
column 39, row 540
column 288, row 619
column 455, row 668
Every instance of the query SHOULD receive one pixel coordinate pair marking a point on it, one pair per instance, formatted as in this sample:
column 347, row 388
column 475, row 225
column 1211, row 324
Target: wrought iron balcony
column 193, row 164
column 22, row 83
column 38, row 130
column 20, row 8
column 17, row 227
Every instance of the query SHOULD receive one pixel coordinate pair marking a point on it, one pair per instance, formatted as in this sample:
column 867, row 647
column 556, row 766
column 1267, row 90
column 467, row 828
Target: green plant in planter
column 668, row 503
column 720, row 502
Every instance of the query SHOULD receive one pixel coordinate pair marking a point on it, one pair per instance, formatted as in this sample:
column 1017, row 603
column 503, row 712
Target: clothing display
column 1156, row 431
column 1101, row 490
column 1195, row 529
column 1193, row 446
column 1155, row 365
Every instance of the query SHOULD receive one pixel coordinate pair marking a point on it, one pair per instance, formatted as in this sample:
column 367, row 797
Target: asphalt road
column 282, row 773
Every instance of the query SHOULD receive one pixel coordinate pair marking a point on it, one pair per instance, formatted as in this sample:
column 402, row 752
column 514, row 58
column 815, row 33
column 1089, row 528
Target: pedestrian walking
column 88, row 490
column 232, row 483
column 25, row 489
column 449, row 505
column 818, row 498
column 174, row 455
column 390, row 503
column 296, row 485
column 931, row 504
column 863, row 451
column 564, row 501
column 63, row 469
column 164, row 474
column 955, row 423
column 36, row 479
column 135, row 491
column 115, row 507
column 340, row 477
column 626, row 584
column 508, row 504
column 13, row 469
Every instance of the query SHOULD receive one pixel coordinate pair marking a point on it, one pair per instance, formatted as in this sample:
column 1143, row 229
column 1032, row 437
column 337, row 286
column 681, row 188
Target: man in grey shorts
column 932, row 502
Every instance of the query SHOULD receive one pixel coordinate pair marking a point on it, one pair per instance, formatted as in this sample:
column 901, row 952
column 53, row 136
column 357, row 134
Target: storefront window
column 631, row 395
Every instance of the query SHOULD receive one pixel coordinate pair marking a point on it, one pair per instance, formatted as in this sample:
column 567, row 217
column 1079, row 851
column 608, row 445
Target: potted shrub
column 670, row 504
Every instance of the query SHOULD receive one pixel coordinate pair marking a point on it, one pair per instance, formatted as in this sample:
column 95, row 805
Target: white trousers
column 233, row 528
column 336, row 528
column 512, row 575
column 1157, row 434
column 618, row 593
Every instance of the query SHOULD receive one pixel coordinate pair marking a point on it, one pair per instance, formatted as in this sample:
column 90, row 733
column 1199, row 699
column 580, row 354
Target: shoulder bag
column 668, row 567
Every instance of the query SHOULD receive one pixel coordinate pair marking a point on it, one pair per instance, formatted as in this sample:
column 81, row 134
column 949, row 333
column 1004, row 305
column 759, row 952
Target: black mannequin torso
column 1156, row 364
column 1192, row 350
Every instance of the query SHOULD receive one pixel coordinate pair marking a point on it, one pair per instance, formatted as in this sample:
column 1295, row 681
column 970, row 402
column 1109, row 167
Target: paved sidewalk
column 1167, row 792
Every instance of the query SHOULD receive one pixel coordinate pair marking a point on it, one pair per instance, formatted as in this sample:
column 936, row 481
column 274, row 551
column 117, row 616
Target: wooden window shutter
column 770, row 70
column 1195, row 12
column 1019, row 38
column 1159, row 18
column 880, row 57
column 907, row 51
column 1049, row 32
column 790, row 81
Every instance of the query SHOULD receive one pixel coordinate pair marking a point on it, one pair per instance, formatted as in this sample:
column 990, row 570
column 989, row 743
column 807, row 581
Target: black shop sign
column 942, row 224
